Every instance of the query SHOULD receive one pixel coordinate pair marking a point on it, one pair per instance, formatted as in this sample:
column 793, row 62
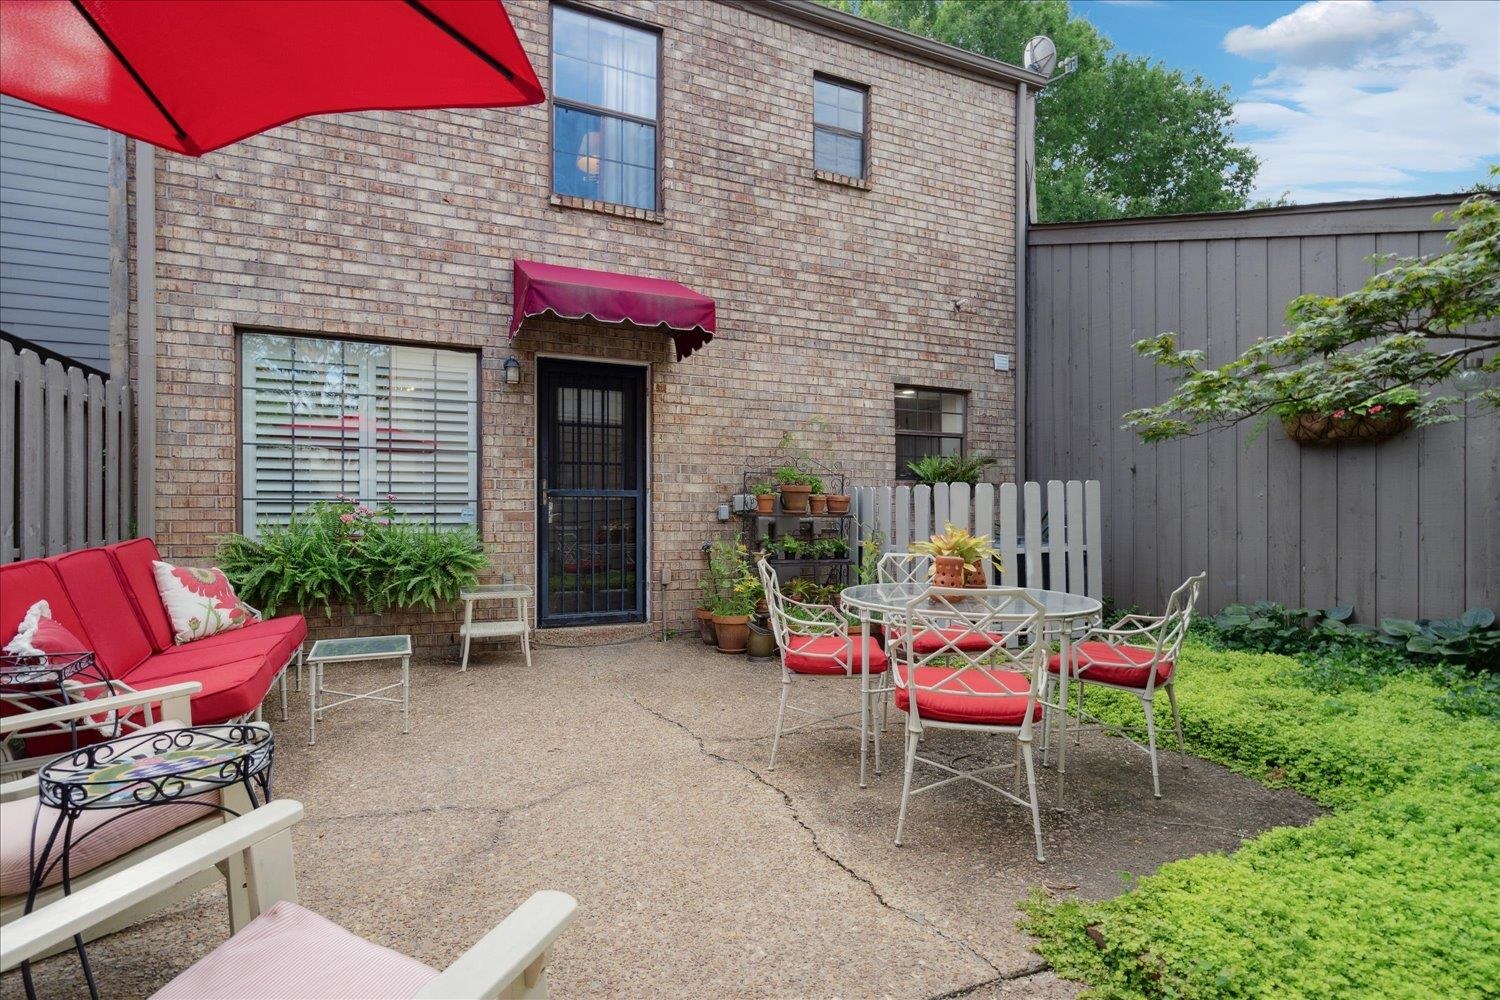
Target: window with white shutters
column 369, row 421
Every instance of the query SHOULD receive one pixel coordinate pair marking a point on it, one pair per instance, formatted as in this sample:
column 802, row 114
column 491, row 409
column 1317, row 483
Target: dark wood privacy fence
column 65, row 457
column 1406, row 528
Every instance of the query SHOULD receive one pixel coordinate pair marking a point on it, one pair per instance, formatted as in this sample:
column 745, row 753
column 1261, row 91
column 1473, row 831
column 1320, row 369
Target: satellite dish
column 1040, row 55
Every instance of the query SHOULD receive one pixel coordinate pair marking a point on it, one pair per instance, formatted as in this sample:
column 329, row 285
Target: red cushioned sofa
column 107, row 597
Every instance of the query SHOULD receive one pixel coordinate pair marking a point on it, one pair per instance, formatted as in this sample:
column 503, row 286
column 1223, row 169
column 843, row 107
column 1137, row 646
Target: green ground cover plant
column 1393, row 894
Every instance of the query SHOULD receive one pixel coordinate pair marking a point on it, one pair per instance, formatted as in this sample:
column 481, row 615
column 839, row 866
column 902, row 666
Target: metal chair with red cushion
column 814, row 641
column 1137, row 654
column 985, row 676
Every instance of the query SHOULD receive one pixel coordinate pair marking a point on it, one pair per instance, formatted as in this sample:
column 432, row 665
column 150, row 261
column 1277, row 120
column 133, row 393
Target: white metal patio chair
column 903, row 567
column 131, row 835
column 285, row 950
column 915, row 567
column 995, row 690
column 814, row 641
column 1137, row 654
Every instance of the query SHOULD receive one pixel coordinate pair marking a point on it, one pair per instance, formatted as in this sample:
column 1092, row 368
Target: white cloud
column 1368, row 100
column 1330, row 33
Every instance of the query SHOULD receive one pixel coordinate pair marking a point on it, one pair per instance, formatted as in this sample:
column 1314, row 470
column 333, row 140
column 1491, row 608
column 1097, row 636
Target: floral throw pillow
column 200, row 602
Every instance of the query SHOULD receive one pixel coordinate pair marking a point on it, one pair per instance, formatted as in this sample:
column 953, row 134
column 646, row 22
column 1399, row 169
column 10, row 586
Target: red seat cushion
column 275, row 638
column 134, row 559
column 998, row 697
column 231, row 687
column 936, row 640
column 110, row 622
column 1127, row 666
column 830, row 654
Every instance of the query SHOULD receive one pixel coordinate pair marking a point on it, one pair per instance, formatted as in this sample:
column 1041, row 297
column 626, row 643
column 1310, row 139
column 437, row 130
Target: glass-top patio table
column 1062, row 613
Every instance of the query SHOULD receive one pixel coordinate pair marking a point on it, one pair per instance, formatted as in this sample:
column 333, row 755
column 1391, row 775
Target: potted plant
column 817, row 500
column 795, row 489
column 703, row 614
column 1377, row 418
column 958, row 557
column 765, row 498
column 838, row 503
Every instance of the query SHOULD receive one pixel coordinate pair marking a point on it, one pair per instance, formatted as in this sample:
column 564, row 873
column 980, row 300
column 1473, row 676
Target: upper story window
column 325, row 417
column 928, row 422
column 604, row 109
column 839, row 126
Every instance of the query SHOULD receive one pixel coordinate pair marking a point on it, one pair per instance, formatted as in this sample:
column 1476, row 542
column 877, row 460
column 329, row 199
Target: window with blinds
column 327, row 417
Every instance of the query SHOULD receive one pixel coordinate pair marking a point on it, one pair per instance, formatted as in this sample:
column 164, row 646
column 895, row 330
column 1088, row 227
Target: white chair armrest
column 20, row 788
column 33, row 934
column 515, row 950
column 1144, row 620
column 175, row 704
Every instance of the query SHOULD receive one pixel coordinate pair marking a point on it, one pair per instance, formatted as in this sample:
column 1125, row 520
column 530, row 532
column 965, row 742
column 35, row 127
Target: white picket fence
column 1057, row 544
column 65, row 457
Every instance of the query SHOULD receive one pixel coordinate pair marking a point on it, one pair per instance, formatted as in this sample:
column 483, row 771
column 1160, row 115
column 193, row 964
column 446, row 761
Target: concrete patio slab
column 633, row 776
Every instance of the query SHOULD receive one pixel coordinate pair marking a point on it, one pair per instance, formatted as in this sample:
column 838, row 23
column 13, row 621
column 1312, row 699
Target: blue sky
column 1339, row 98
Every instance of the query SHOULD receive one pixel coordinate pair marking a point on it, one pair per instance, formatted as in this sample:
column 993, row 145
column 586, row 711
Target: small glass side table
column 373, row 647
column 142, row 771
column 503, row 628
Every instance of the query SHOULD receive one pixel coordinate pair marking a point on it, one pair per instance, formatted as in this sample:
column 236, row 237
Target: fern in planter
column 342, row 552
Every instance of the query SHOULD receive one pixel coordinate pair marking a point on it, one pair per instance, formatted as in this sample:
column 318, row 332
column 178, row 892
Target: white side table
column 504, row 628
column 374, row 647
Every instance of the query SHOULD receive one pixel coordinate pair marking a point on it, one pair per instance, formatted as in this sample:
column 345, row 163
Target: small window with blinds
column 327, row 417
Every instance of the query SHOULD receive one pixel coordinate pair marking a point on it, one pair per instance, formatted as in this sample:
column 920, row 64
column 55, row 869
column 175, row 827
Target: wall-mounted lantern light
column 512, row 370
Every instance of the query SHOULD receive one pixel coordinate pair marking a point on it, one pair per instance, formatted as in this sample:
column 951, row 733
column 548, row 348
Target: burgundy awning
column 576, row 293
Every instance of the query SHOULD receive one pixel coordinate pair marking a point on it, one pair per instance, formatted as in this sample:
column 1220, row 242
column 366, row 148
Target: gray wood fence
column 1406, row 528
column 65, row 457
column 1056, row 544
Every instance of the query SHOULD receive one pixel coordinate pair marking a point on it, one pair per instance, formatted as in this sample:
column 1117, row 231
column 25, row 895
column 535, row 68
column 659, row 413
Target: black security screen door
column 591, row 492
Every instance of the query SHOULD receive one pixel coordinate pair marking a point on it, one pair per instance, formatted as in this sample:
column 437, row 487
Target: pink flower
column 1376, row 408
column 1338, row 413
column 363, row 511
column 391, row 497
column 347, row 518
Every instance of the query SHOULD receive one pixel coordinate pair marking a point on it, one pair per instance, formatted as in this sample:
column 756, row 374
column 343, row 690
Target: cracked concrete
column 633, row 776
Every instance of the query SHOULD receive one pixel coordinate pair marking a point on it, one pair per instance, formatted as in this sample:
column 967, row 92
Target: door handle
column 546, row 497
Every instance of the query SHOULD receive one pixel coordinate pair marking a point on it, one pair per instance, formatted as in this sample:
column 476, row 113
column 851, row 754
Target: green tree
column 1392, row 343
column 1122, row 136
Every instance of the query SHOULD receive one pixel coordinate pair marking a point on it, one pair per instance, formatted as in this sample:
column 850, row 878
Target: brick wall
column 404, row 226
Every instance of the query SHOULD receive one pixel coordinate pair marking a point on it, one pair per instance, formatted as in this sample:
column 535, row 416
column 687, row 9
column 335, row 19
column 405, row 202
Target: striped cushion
column 127, row 829
column 289, row 953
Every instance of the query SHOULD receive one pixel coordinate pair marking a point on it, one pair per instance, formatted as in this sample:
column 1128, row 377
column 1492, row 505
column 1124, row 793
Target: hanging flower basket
column 1340, row 427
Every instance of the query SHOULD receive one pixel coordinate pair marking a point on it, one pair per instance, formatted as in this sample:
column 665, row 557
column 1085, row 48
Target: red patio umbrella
column 195, row 75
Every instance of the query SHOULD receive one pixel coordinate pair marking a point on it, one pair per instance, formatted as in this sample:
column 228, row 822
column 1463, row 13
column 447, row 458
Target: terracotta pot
column 794, row 499
column 761, row 610
column 975, row 577
column 760, row 643
column 1324, row 429
column 765, row 503
column 948, row 571
column 705, row 619
column 817, row 503
column 838, row 503
column 733, row 632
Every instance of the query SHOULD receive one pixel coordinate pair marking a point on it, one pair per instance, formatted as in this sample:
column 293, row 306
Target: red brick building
column 331, row 299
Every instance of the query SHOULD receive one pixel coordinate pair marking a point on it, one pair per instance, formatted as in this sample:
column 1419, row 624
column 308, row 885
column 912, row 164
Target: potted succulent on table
column 795, row 489
column 958, row 557
column 817, row 500
column 765, row 498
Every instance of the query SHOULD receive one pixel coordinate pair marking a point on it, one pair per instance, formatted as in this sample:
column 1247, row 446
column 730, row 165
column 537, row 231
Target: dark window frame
column 963, row 434
column 863, row 135
column 554, row 102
